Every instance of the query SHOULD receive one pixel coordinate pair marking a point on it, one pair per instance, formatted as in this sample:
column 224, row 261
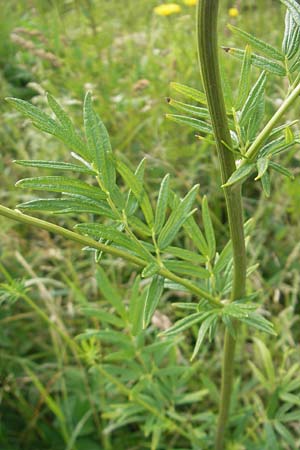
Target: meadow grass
column 53, row 395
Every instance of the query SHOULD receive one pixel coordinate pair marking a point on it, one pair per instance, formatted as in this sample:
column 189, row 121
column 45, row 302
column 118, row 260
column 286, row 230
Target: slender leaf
column 229, row 324
column 262, row 166
column 55, row 165
column 102, row 315
column 202, row 333
column 189, row 92
column 256, row 43
column 250, row 106
column 286, row 434
column 281, row 169
column 240, row 175
column 266, row 359
column 132, row 203
column 61, row 114
column 196, row 236
column 291, row 39
column 294, row 8
column 198, row 124
column 138, row 190
column 69, row 206
column 110, row 292
column 224, row 258
column 150, row 270
column 227, row 90
column 162, row 204
column 99, row 231
column 245, row 79
column 62, row 184
column 187, row 255
column 186, row 268
column 200, row 113
column 136, row 307
column 154, row 293
column 208, row 228
column 45, row 123
column 177, row 218
column 187, row 322
column 260, row 323
column 259, row 61
column 99, row 144
column 140, row 227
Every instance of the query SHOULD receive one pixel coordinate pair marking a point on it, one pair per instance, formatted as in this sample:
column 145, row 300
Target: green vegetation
column 121, row 345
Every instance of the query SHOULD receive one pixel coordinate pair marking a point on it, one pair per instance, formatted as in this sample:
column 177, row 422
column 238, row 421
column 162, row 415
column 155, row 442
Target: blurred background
column 127, row 55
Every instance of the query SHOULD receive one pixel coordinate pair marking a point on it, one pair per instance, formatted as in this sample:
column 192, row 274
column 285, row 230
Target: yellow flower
column 233, row 12
column 166, row 9
column 190, row 2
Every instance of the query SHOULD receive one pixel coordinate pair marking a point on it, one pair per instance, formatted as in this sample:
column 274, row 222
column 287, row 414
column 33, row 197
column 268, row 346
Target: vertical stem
column 207, row 15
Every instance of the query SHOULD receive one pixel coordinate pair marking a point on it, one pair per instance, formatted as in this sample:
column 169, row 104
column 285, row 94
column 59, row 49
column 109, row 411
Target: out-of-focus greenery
column 51, row 394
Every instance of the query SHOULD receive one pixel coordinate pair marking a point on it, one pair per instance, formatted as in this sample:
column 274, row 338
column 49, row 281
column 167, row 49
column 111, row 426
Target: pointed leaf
column 227, row 90
column 262, row 166
column 256, row 43
column 102, row 315
column 259, row 61
column 110, row 292
column 208, row 229
column 229, row 325
column 198, row 124
column 281, row 169
column 291, row 40
column 45, row 123
column 62, row 184
column 136, row 307
column 150, row 270
column 186, row 268
column 55, row 165
column 202, row 333
column 196, row 236
column 69, row 206
column 187, row 322
column 132, row 203
column 266, row 359
column 189, row 92
column 99, row 231
column 260, row 323
column 285, row 433
column 240, row 175
column 224, row 258
column 254, row 96
column 140, row 227
column 187, row 255
column 138, row 190
column 60, row 114
column 162, row 204
column 294, row 8
column 201, row 113
column 99, row 144
column 245, row 79
column 154, row 293
column 177, row 218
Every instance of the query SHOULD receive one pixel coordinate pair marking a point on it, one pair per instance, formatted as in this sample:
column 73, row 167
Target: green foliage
column 143, row 372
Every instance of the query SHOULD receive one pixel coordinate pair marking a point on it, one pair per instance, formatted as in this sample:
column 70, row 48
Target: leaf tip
column 19, row 183
column 226, row 49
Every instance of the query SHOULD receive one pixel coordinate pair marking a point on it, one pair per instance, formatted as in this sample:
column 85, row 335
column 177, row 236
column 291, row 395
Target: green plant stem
column 86, row 241
column 207, row 15
column 265, row 132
